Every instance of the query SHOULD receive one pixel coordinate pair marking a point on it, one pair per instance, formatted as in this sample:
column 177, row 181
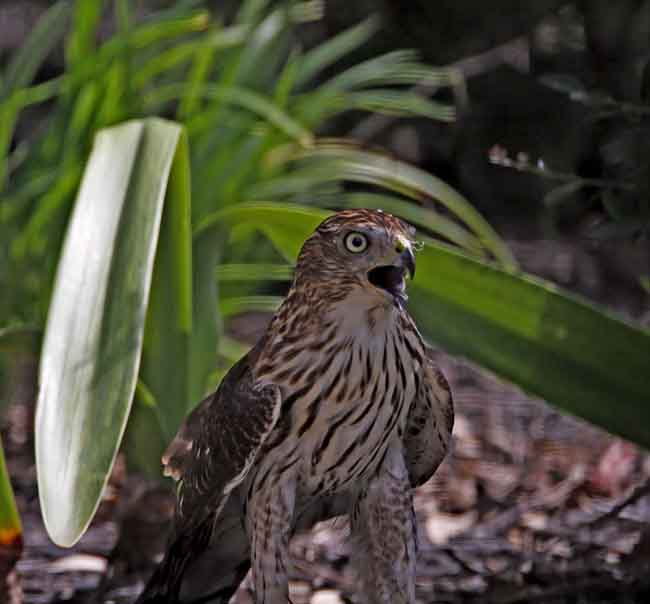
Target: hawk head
column 359, row 253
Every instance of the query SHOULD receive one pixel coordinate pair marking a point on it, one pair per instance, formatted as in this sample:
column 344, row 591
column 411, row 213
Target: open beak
column 391, row 277
column 408, row 261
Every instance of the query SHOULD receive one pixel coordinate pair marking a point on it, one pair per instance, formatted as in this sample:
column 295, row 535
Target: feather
column 429, row 424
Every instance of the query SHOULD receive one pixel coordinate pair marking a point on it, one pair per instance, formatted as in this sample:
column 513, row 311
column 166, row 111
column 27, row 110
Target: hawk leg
column 270, row 515
column 383, row 527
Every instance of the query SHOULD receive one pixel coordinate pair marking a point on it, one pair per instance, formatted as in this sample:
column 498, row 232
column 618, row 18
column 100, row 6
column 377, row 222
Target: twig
column 498, row 156
column 635, row 494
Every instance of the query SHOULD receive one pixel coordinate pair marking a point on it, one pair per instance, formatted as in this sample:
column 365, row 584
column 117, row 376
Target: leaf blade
column 554, row 345
column 92, row 343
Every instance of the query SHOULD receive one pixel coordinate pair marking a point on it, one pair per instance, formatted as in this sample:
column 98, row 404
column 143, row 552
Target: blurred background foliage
column 310, row 104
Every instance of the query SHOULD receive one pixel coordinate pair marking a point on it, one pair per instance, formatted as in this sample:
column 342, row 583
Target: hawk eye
column 356, row 242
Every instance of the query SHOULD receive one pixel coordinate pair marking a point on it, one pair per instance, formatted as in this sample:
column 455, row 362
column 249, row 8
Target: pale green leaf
column 96, row 321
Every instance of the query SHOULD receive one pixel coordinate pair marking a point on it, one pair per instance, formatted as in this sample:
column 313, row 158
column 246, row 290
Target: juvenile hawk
column 338, row 408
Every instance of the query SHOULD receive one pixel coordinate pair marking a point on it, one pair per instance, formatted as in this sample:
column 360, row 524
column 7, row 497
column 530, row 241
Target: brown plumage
column 338, row 408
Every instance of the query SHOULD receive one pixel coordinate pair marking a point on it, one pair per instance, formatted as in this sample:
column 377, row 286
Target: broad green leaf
column 559, row 194
column 553, row 344
column 95, row 327
column 285, row 225
column 165, row 359
column 10, row 527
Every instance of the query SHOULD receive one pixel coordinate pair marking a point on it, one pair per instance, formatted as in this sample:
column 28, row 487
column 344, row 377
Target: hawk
column 339, row 408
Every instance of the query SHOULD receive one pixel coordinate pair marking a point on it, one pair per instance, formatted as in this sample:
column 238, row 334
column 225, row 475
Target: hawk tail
column 202, row 565
column 165, row 584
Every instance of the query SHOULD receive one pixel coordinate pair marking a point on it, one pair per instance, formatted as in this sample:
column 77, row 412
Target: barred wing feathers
column 209, row 457
column 217, row 444
column 429, row 424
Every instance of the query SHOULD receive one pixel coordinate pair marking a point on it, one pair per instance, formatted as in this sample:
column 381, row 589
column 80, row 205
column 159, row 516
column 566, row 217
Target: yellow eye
column 356, row 242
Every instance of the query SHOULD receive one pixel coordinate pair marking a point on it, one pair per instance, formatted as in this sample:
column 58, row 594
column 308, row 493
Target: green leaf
column 203, row 58
column 81, row 40
column 52, row 203
column 397, row 103
column 552, row 344
column 397, row 67
column 287, row 226
column 326, row 54
column 234, row 306
column 375, row 169
column 251, row 11
column 46, row 34
column 10, row 527
column 336, row 162
column 96, row 321
column 252, row 101
column 254, row 272
column 205, row 338
column 165, row 360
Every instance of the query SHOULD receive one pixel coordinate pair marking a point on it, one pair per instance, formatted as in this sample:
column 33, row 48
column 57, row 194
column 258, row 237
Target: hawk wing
column 429, row 424
column 209, row 457
column 217, row 444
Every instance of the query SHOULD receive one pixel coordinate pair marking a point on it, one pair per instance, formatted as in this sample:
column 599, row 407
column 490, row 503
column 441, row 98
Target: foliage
column 241, row 91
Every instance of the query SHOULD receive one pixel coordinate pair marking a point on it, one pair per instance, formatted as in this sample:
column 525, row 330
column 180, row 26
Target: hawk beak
column 408, row 261
column 391, row 276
